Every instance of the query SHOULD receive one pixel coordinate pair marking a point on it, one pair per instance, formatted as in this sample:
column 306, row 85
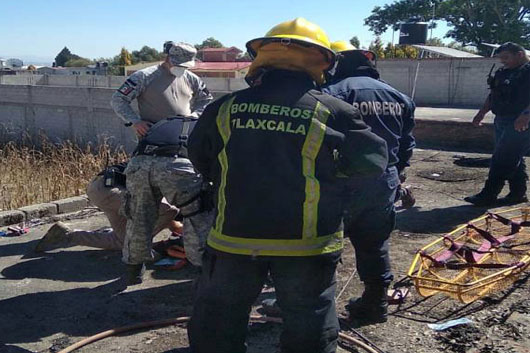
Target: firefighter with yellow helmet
column 276, row 153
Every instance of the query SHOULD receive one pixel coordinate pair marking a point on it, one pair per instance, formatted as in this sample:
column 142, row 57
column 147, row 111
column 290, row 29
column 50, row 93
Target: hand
column 477, row 120
column 402, row 177
column 141, row 127
column 521, row 123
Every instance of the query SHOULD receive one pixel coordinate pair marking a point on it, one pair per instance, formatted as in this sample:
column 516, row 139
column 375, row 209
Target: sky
column 35, row 31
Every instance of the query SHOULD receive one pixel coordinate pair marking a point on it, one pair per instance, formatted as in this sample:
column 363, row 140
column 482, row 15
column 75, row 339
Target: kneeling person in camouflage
column 170, row 98
column 108, row 198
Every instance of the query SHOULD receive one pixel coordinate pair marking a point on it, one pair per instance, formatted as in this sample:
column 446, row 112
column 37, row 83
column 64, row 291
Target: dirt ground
column 49, row 301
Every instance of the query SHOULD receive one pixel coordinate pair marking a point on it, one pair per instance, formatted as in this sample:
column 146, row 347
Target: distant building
column 221, row 62
column 15, row 63
column 219, row 54
column 236, row 69
column 215, row 62
column 5, row 68
column 12, row 63
column 426, row 51
column 99, row 68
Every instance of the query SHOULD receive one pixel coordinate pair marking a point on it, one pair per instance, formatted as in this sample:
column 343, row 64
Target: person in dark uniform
column 509, row 100
column 276, row 153
column 369, row 206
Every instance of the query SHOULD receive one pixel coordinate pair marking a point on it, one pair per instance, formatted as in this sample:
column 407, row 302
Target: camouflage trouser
column 149, row 179
column 109, row 201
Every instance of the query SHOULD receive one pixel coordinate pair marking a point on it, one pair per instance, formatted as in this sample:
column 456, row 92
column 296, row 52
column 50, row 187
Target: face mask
column 177, row 71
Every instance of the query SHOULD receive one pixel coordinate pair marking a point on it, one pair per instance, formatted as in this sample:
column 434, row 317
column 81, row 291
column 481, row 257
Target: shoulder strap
column 187, row 127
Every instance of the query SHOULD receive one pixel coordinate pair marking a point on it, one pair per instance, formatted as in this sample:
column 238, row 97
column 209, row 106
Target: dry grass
column 50, row 172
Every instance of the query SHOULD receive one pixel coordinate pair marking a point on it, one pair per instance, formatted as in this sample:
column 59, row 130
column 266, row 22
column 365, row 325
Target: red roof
column 221, row 65
column 221, row 49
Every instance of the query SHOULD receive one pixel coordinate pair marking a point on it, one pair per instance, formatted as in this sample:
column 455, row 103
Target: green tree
column 63, row 56
column 124, row 59
column 377, row 47
column 410, row 52
column 400, row 51
column 120, row 61
column 81, row 62
column 393, row 51
column 435, row 42
column 210, row 42
column 471, row 22
column 355, row 42
column 115, row 70
column 471, row 50
column 146, row 54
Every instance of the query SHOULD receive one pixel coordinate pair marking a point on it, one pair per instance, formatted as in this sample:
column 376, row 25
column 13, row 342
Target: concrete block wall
column 444, row 82
column 447, row 82
column 77, row 107
column 63, row 80
column 62, row 113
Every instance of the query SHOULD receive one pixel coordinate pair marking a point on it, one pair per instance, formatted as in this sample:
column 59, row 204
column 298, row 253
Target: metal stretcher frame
column 469, row 283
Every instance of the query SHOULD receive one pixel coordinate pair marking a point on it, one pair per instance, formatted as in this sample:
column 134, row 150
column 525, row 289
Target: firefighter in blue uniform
column 509, row 100
column 369, row 206
column 276, row 153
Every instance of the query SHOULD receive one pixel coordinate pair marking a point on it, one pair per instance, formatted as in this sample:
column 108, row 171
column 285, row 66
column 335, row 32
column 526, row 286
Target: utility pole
column 393, row 51
column 433, row 4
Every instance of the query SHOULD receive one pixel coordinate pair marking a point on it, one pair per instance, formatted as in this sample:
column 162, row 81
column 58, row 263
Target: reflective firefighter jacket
column 276, row 153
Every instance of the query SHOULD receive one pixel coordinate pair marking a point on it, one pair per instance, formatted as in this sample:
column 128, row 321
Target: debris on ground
column 445, row 325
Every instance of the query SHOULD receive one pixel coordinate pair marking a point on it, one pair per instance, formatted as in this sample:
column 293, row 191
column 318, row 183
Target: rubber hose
column 183, row 319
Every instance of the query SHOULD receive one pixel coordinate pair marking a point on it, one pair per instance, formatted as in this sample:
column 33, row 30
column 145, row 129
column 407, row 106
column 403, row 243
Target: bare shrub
column 44, row 171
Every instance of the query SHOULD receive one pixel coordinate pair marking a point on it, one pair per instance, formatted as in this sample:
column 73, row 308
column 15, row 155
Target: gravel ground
column 49, row 301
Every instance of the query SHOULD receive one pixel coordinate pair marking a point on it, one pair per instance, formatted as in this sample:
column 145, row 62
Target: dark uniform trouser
column 370, row 217
column 229, row 285
column 507, row 161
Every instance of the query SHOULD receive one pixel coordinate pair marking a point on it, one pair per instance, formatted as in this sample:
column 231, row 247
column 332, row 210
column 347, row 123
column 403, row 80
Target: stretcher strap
column 454, row 265
column 472, row 256
column 515, row 225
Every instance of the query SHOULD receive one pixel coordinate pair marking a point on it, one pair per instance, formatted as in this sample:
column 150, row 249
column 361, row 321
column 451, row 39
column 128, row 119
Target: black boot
column 371, row 308
column 488, row 195
column 517, row 192
column 513, row 199
column 134, row 274
column 481, row 199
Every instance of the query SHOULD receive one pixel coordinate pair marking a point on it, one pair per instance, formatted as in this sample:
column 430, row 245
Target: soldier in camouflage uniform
column 108, row 200
column 162, row 91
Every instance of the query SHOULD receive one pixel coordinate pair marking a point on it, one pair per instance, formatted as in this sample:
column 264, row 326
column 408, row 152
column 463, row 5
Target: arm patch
column 126, row 88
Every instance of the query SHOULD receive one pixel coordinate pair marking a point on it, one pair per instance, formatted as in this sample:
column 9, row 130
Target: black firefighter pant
column 229, row 285
column 369, row 219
